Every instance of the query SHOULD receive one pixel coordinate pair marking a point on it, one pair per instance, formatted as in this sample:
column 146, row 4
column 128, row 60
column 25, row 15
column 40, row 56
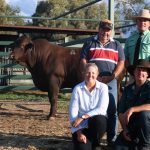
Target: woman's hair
column 91, row 65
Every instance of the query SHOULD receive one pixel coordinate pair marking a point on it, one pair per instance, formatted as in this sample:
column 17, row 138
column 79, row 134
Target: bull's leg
column 53, row 97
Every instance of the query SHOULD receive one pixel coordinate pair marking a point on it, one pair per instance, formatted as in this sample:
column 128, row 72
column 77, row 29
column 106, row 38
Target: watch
column 83, row 117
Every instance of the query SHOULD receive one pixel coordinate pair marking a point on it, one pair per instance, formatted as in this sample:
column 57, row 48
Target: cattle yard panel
column 13, row 76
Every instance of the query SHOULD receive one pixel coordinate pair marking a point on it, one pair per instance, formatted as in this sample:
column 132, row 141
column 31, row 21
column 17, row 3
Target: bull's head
column 21, row 50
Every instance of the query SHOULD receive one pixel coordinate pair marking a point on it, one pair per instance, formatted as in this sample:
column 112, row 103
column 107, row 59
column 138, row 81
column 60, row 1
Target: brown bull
column 52, row 67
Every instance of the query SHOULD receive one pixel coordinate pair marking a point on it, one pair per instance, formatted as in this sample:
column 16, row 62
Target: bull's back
column 54, row 60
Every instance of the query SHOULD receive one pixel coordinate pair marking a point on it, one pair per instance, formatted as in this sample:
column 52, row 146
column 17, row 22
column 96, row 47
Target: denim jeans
column 112, row 122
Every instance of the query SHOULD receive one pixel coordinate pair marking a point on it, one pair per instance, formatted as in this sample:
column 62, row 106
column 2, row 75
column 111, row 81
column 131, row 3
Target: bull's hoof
column 50, row 117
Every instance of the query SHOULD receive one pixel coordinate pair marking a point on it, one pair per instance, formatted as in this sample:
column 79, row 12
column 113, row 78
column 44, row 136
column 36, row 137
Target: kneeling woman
column 88, row 110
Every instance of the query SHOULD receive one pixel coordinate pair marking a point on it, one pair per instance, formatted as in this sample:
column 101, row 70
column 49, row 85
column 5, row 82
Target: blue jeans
column 112, row 122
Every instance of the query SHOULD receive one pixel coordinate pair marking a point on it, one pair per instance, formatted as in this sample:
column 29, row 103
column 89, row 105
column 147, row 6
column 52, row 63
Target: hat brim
column 106, row 27
column 131, row 69
column 140, row 17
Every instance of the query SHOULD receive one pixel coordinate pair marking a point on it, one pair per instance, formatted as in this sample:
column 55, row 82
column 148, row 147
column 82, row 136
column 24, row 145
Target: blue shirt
column 91, row 103
column 105, row 56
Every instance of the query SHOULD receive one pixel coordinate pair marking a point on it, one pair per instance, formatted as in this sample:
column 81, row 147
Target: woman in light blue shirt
column 88, row 110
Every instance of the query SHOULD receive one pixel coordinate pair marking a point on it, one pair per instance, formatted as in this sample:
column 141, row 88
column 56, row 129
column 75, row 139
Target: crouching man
column 134, row 110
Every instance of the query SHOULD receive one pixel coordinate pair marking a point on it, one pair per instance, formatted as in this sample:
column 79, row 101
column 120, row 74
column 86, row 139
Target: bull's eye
column 29, row 46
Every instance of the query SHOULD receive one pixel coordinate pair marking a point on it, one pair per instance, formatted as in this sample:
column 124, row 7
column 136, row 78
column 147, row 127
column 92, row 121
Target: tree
column 127, row 9
column 50, row 8
column 7, row 10
column 130, row 8
column 53, row 8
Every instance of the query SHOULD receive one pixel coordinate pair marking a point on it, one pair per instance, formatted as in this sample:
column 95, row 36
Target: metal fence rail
column 13, row 76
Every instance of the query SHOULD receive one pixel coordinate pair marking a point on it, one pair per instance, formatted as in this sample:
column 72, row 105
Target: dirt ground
column 23, row 126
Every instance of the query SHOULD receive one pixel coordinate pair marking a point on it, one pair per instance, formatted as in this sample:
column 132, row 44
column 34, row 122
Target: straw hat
column 141, row 63
column 144, row 13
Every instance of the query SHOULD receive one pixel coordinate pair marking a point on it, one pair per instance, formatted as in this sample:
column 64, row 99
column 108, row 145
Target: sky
column 27, row 7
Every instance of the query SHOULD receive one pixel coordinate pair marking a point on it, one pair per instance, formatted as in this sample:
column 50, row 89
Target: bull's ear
column 29, row 46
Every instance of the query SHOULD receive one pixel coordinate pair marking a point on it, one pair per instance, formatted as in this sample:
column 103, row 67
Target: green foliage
column 53, row 8
column 129, row 8
column 7, row 10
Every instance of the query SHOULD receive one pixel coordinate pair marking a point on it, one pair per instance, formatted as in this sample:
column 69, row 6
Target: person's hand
column 81, row 137
column 105, row 79
column 128, row 114
column 76, row 122
column 126, row 135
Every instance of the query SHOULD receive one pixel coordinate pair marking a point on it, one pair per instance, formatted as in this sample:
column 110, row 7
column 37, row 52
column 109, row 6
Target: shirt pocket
column 146, row 47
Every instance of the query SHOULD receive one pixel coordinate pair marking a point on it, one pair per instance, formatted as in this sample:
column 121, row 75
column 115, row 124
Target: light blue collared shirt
column 91, row 103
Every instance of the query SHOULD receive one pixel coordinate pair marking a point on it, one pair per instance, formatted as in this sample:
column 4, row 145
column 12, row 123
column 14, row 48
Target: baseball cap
column 106, row 24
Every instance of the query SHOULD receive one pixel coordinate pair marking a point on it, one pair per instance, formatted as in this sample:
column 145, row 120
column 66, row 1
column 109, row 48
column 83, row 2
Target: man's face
column 140, row 74
column 142, row 24
column 104, row 35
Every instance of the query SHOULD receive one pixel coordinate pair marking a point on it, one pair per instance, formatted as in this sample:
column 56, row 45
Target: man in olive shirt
column 143, row 24
column 134, row 110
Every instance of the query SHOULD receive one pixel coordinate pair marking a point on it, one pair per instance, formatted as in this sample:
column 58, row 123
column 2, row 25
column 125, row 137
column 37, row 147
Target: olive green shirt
column 130, row 45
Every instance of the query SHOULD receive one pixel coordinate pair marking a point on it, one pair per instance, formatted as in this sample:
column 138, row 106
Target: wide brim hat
column 143, row 14
column 106, row 24
column 141, row 63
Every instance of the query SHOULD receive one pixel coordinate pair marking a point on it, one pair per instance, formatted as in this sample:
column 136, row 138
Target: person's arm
column 83, row 62
column 118, row 70
column 84, row 54
column 124, row 117
column 75, row 119
column 73, row 107
column 135, row 109
column 124, row 126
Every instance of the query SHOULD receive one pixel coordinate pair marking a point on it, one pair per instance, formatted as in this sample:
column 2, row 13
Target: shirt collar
column 97, row 38
column 145, row 32
column 97, row 84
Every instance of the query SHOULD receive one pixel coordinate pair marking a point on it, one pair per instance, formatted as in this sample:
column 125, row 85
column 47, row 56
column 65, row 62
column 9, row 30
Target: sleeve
column 74, row 105
column 85, row 49
column 147, row 89
column 102, row 104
